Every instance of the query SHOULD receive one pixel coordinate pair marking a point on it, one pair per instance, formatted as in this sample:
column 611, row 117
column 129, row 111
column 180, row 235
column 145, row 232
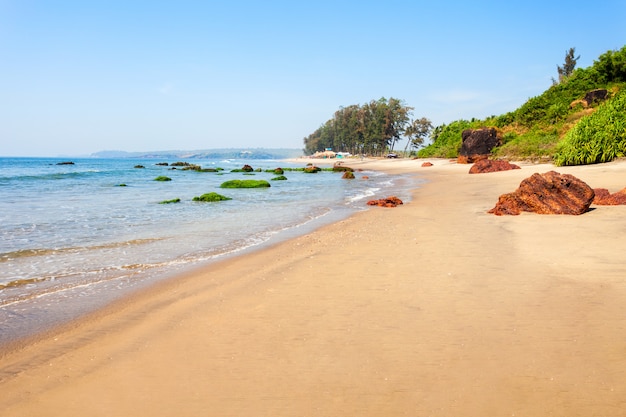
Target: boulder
column 605, row 198
column 348, row 175
column 211, row 197
column 477, row 144
column 549, row 193
column 311, row 169
column 392, row 201
column 488, row 165
column 340, row 168
column 245, row 184
column 427, row 164
column 595, row 96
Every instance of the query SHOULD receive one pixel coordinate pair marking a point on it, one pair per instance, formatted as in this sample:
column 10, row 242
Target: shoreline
column 434, row 307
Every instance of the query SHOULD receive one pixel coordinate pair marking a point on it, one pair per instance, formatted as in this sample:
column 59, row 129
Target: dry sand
column 434, row 308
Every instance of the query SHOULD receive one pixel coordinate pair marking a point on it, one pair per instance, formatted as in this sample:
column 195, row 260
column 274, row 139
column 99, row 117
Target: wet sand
column 433, row 308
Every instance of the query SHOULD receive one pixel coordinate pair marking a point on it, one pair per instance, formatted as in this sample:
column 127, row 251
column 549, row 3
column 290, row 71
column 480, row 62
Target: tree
column 416, row 132
column 372, row 128
column 568, row 67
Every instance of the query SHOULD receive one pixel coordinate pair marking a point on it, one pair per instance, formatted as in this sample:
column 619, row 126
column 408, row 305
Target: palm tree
column 416, row 132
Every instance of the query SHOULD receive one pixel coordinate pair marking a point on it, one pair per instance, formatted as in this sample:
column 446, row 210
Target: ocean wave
column 27, row 253
column 53, row 176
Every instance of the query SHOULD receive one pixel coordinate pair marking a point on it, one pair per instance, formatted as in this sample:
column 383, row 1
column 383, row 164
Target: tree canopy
column 372, row 128
column 568, row 66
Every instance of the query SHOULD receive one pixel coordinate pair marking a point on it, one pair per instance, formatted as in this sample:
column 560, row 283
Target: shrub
column 530, row 145
column 599, row 137
column 447, row 141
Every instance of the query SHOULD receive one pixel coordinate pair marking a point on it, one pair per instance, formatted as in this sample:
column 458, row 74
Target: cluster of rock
column 549, row 193
column 392, row 201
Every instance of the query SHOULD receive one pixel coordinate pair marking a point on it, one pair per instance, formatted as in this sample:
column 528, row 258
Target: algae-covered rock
column 312, row 169
column 245, row 184
column 340, row 168
column 139, row 166
column 162, row 178
column 210, row 197
column 192, row 167
column 279, row 178
column 121, row 185
column 348, row 175
column 175, row 200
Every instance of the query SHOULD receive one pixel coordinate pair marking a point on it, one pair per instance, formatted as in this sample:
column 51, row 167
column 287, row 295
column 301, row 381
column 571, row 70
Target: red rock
column 385, row 202
column 549, row 193
column 488, row 165
column 605, row 198
column 427, row 164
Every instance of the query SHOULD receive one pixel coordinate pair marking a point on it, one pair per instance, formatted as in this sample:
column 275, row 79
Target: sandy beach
column 433, row 308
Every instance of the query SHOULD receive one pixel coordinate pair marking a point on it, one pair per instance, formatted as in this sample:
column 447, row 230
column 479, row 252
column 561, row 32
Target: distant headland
column 226, row 153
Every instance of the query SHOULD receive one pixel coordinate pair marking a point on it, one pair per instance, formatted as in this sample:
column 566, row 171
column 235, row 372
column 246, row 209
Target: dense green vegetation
column 373, row 128
column 600, row 137
column 557, row 125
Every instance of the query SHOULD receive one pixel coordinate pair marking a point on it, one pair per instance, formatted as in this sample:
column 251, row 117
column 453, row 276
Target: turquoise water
column 72, row 239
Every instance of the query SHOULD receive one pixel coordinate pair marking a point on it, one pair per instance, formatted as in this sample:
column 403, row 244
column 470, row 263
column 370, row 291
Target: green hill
column 565, row 124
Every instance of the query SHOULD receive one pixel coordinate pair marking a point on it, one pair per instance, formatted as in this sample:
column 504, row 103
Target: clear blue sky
column 78, row 77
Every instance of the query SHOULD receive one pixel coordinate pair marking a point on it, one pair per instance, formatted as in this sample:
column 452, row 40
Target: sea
column 77, row 234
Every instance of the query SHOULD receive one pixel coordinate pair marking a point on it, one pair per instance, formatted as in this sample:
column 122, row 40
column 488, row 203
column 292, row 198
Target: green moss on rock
column 162, row 178
column 245, row 184
column 279, row 178
column 176, row 200
column 210, row 197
